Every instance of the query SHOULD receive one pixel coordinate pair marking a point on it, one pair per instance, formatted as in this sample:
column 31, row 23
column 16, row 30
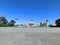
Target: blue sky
column 24, row 10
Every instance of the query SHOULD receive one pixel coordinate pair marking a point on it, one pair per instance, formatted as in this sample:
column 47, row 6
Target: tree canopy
column 57, row 22
column 3, row 20
column 12, row 22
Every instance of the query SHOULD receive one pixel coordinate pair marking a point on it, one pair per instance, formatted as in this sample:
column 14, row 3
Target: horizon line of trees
column 4, row 22
column 57, row 22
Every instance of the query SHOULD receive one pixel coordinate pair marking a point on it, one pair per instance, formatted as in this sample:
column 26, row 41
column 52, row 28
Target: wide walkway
column 29, row 38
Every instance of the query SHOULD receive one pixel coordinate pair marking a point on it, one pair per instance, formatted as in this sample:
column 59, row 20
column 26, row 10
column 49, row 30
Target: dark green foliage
column 3, row 20
column 3, row 25
column 12, row 23
column 57, row 22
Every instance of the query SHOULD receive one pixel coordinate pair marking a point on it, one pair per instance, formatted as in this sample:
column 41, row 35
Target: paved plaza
column 29, row 36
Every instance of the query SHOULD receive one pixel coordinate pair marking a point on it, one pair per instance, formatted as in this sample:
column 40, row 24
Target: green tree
column 12, row 23
column 57, row 22
column 3, row 20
